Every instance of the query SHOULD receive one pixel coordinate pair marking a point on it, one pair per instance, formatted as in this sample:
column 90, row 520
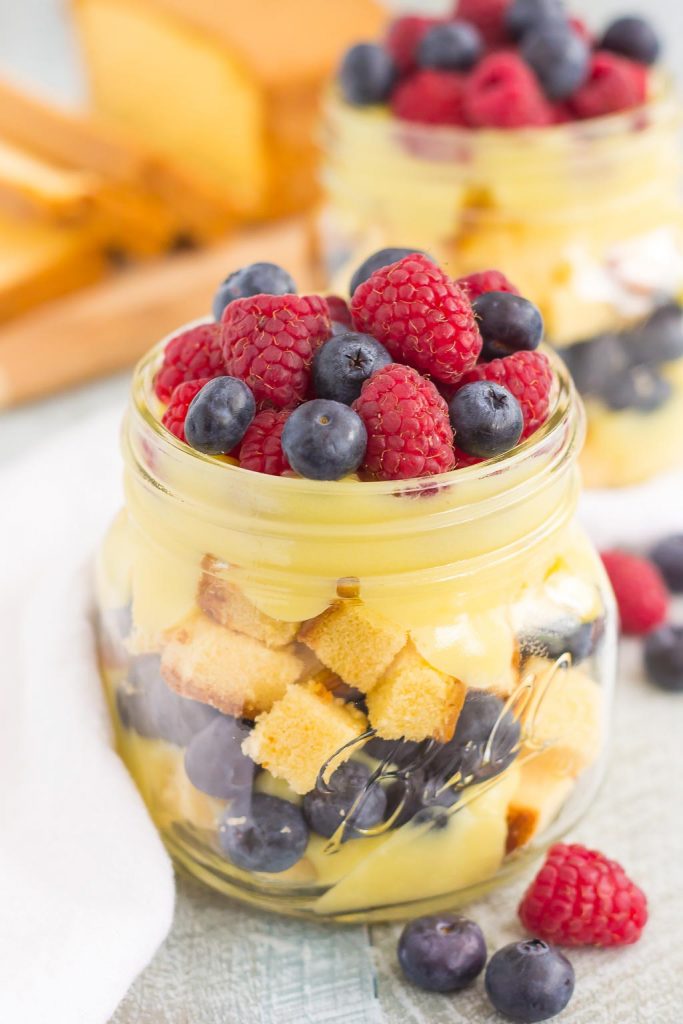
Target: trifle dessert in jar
column 359, row 655
column 509, row 135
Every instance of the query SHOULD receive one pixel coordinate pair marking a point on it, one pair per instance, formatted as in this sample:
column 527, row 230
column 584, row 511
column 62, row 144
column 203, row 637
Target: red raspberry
column 430, row 97
column 403, row 38
column 503, row 92
column 174, row 417
column 487, row 15
column 614, row 84
column 409, row 432
column 193, row 354
column 269, row 342
column 338, row 310
column 421, row 316
column 261, row 448
column 580, row 898
column 463, row 460
column 475, row 285
column 640, row 590
column 529, row 376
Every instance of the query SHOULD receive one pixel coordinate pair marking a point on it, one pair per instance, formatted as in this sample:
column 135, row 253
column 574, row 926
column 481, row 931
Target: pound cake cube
column 304, row 730
column 538, row 799
column 228, row 670
column 225, row 603
column 356, row 643
column 413, row 701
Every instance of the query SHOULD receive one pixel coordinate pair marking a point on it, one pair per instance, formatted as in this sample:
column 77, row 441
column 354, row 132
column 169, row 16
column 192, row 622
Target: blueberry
column 379, row 259
column 219, row 415
column 594, row 363
column 524, row 15
column 328, row 806
column 398, row 752
column 453, row 46
column 634, row 38
column 559, row 57
column 214, row 762
column 153, row 709
column 640, row 388
column 256, row 279
column 664, row 658
column 367, row 75
column 442, row 953
column 486, row 418
column 564, row 636
column 343, row 364
column 263, row 833
column 416, row 792
column 659, row 340
column 507, row 323
column 472, row 752
column 668, row 557
column 324, row 440
column 529, row 981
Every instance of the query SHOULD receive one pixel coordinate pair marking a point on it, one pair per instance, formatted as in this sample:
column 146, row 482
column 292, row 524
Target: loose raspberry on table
column 430, row 97
column 403, row 38
column 503, row 92
column 422, row 317
column 191, row 355
column 269, row 342
column 174, row 417
column 580, row 898
column 338, row 310
column 640, row 590
column 529, row 376
column 487, row 15
column 485, row 281
column 409, row 432
column 614, row 83
column 261, row 447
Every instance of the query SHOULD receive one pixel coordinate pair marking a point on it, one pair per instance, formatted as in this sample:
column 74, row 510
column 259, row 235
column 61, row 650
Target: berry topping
column 343, row 364
column 181, row 400
column 219, row 415
column 668, row 557
column 523, row 16
column 664, row 658
column 559, row 57
column 261, row 448
column 194, row 354
column 421, row 316
column 502, row 92
column 256, row 279
column 634, row 38
column 580, row 898
column 451, row 46
column 442, row 953
column 347, row 797
column 269, row 342
column 430, row 97
column 487, row 15
column 409, row 433
column 529, row 981
column 263, row 833
column 485, row 743
column 613, row 84
column 338, row 311
column 507, row 323
column 324, row 440
column 486, row 281
column 214, row 761
column 403, row 39
column 528, row 376
column 640, row 591
column 639, row 387
column 368, row 74
column 486, row 419
column 379, row 259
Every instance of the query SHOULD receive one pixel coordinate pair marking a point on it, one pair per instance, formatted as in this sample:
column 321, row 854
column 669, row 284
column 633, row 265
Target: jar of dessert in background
column 577, row 199
column 401, row 688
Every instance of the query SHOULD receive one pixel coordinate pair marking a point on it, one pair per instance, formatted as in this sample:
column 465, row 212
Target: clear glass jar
column 586, row 218
column 406, row 684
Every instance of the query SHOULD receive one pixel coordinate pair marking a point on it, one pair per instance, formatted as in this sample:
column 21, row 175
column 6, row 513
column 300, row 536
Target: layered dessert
column 509, row 134
column 358, row 654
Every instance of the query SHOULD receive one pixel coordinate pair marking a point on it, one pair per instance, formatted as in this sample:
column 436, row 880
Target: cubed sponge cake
column 225, row 603
column 231, row 671
column 537, row 800
column 356, row 643
column 413, row 701
column 301, row 733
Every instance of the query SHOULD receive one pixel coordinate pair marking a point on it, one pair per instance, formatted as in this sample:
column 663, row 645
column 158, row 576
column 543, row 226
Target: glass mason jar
column 587, row 220
column 356, row 700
